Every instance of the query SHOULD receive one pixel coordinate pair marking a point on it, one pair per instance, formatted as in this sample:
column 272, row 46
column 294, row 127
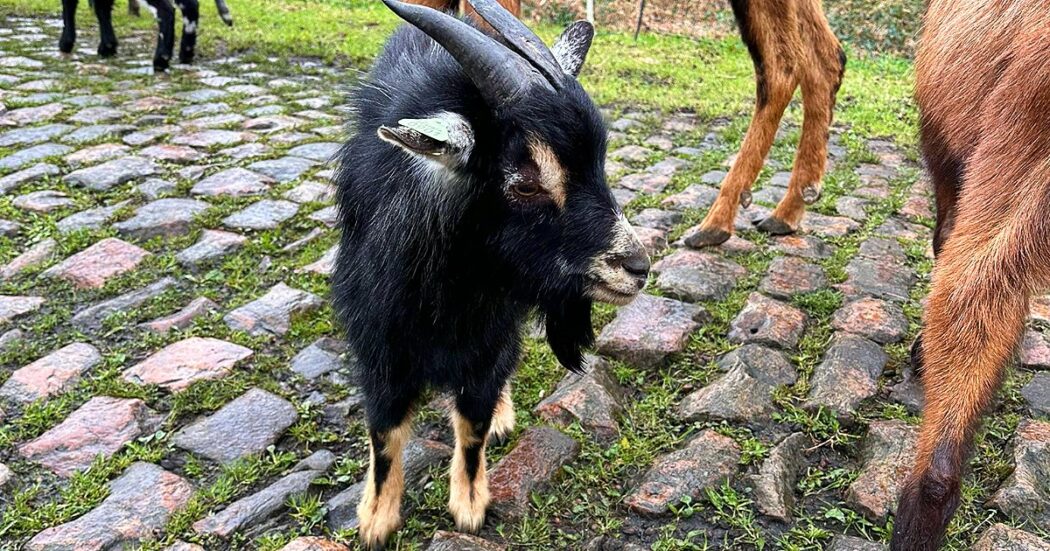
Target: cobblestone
column 247, row 424
column 99, row 427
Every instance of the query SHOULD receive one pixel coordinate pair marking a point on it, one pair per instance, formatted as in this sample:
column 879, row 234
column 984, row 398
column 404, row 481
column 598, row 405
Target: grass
column 713, row 78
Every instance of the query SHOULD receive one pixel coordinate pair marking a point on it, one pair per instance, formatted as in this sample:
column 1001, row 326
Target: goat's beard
column 569, row 330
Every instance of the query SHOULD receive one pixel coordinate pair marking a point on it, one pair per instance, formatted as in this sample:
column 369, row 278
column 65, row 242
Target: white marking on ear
column 572, row 46
column 446, row 138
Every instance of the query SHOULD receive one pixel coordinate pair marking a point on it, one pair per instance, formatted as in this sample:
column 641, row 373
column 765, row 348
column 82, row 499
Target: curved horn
column 500, row 74
column 520, row 38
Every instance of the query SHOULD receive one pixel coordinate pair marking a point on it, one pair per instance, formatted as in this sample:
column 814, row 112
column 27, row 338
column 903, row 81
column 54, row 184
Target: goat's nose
column 637, row 264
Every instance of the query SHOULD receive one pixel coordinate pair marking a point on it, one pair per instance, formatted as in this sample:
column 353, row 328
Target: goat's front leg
column 190, row 20
column 503, row 418
column 107, row 44
column 379, row 512
column 978, row 306
column 69, row 26
column 165, row 33
column 472, row 420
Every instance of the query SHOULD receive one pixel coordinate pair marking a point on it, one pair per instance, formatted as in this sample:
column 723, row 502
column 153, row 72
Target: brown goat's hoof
column 775, row 226
column 707, row 237
column 811, row 193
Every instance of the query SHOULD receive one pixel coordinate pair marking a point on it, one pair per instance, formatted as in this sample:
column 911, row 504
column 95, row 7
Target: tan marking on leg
column 467, row 498
column 503, row 418
column 380, row 515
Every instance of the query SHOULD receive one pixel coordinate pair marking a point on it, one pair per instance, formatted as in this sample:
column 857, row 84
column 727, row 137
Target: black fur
column 165, row 22
column 435, row 277
column 740, row 13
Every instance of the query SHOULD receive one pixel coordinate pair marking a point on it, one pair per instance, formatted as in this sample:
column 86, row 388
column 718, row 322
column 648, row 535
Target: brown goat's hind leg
column 770, row 31
column 971, row 328
column 821, row 75
column 974, row 321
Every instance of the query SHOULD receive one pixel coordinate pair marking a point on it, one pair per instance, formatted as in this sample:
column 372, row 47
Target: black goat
column 471, row 194
column 165, row 14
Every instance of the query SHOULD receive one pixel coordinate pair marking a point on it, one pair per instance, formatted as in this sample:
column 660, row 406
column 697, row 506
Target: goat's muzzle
column 620, row 273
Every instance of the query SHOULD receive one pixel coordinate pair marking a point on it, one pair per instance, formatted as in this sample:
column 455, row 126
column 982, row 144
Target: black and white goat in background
column 165, row 14
column 472, row 193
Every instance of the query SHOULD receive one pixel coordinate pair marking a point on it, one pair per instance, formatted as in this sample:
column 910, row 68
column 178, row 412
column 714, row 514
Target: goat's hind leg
column 821, row 72
column 945, row 169
column 107, row 45
column 389, row 428
column 165, row 33
column 190, row 20
column 770, row 31
column 503, row 417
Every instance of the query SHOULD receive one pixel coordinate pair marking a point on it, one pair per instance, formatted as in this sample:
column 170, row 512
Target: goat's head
column 535, row 150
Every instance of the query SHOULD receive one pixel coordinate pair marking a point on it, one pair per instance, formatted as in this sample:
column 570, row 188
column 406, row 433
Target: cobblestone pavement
column 170, row 371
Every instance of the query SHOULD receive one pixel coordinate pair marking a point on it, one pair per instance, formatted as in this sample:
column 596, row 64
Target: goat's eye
column 526, row 189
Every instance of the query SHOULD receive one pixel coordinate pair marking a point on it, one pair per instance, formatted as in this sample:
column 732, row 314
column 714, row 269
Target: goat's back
column 965, row 49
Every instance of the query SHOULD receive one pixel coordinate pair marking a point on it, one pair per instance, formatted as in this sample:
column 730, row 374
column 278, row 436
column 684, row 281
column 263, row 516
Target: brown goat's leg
column 972, row 326
column 770, row 31
column 821, row 75
column 994, row 259
column 945, row 169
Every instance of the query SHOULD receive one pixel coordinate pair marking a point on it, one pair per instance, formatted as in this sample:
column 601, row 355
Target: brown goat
column 513, row 6
column 791, row 45
column 983, row 87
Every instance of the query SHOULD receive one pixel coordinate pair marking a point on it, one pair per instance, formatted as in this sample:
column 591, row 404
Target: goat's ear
column 572, row 46
column 446, row 138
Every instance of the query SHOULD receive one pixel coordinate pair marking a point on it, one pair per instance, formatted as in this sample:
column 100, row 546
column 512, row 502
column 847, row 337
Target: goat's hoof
column 186, row 59
column 707, row 237
column 65, row 44
column 107, row 49
column 374, row 531
column 810, row 194
column 468, row 514
column 775, row 226
column 160, row 64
